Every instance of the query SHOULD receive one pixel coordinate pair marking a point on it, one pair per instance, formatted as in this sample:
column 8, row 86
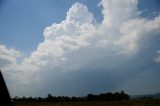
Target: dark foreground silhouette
column 117, row 96
column 152, row 102
column 5, row 99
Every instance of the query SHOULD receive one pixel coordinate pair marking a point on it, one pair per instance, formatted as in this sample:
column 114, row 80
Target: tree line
column 116, row 96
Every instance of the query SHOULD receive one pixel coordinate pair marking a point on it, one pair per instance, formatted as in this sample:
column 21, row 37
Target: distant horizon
column 86, row 95
column 77, row 47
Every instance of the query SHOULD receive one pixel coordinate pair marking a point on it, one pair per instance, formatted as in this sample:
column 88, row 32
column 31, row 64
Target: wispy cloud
column 157, row 59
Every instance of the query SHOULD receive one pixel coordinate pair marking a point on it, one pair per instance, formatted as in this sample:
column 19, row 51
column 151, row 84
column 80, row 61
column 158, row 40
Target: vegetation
column 90, row 97
column 153, row 102
column 104, row 99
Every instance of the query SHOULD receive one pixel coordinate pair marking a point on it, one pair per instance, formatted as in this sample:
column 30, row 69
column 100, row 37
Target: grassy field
column 107, row 103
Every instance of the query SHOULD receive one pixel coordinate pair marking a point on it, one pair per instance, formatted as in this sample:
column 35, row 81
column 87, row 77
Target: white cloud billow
column 79, row 13
column 116, row 12
column 71, row 34
column 121, row 32
column 8, row 57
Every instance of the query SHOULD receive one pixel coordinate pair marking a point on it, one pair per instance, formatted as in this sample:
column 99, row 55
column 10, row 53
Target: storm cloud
column 80, row 55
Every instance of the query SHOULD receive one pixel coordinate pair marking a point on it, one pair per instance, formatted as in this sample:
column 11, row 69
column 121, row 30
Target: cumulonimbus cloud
column 79, row 40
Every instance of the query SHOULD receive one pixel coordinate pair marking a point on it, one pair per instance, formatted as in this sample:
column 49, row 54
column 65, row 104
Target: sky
column 76, row 47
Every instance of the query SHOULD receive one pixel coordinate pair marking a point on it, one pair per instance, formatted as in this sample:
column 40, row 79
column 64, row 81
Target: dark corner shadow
column 5, row 99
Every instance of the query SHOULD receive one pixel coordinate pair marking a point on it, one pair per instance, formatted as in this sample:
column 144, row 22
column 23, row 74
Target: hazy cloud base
column 80, row 56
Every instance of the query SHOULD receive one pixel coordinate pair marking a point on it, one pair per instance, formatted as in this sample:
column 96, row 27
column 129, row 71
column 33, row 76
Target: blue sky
column 84, row 46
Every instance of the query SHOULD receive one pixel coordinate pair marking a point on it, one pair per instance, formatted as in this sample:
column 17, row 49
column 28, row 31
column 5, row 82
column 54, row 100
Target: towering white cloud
column 71, row 34
column 116, row 12
column 123, row 27
column 78, row 42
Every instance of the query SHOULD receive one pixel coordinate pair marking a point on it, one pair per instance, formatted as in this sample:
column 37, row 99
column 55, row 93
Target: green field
column 107, row 103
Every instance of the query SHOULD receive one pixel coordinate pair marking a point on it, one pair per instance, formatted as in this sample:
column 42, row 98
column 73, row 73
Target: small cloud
column 8, row 56
column 99, row 4
column 157, row 59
